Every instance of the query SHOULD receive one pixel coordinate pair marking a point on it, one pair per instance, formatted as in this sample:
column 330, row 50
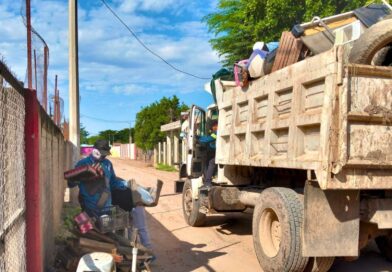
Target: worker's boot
column 205, row 188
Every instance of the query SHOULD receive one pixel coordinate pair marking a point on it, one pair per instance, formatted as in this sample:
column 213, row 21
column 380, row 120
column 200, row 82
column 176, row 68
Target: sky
column 117, row 76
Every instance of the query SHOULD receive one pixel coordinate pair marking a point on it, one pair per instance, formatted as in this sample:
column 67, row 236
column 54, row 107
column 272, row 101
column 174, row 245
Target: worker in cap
column 96, row 197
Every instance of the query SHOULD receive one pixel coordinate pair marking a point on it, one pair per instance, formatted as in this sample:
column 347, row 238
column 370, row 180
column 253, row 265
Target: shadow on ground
column 175, row 255
column 182, row 256
column 370, row 261
column 231, row 223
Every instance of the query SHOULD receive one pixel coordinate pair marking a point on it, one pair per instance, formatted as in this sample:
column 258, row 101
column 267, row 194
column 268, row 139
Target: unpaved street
column 225, row 244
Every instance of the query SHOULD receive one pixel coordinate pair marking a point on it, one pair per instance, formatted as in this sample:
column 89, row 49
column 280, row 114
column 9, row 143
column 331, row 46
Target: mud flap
column 331, row 222
column 179, row 186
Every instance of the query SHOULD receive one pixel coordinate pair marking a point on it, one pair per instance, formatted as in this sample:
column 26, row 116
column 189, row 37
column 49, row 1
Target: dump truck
column 309, row 149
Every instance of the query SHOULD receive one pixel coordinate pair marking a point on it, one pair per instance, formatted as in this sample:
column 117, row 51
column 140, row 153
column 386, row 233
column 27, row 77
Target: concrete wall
column 128, row 151
column 116, row 151
column 172, row 152
column 85, row 150
column 133, row 151
column 55, row 157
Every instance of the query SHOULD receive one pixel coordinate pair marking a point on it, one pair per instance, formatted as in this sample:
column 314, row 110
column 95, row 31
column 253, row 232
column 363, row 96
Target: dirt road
column 225, row 244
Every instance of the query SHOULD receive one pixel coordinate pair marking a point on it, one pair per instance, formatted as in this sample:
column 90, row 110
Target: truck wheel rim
column 270, row 232
column 188, row 202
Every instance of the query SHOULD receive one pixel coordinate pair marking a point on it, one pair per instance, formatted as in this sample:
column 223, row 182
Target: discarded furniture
column 289, row 51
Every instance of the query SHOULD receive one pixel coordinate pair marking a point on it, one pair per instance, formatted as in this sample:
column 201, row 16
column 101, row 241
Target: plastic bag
column 146, row 197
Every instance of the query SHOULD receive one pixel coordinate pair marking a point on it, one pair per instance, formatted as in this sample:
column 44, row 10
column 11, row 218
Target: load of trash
column 317, row 36
column 106, row 238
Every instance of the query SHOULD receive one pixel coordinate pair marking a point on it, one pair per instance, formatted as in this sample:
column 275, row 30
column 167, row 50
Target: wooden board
column 289, row 51
column 96, row 246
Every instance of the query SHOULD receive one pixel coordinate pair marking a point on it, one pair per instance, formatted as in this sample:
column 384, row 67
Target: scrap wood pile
column 309, row 39
column 87, row 240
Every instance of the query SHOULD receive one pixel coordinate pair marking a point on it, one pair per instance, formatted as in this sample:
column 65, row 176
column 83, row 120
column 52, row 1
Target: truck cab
column 199, row 125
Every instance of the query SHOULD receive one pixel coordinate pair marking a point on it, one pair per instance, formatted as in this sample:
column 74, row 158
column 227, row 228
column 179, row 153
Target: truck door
column 196, row 157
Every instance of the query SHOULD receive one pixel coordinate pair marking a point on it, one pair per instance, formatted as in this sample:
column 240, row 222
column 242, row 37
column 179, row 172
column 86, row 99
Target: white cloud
column 111, row 61
column 131, row 89
column 149, row 5
column 128, row 6
column 158, row 5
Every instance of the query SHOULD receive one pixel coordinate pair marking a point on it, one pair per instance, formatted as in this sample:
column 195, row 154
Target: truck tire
column 383, row 57
column 384, row 244
column 191, row 207
column 373, row 40
column 319, row 264
column 277, row 224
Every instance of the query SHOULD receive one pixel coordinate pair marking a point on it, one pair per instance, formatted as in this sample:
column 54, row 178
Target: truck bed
column 319, row 114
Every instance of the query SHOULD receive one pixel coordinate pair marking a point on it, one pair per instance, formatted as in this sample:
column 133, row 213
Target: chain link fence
column 12, row 179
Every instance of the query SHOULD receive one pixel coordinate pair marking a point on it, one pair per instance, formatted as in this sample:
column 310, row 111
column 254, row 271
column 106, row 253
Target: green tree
column 83, row 135
column 122, row 136
column 238, row 24
column 92, row 139
column 114, row 136
column 150, row 118
column 109, row 135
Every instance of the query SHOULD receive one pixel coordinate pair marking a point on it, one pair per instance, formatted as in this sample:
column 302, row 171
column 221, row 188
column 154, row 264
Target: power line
column 146, row 47
column 105, row 120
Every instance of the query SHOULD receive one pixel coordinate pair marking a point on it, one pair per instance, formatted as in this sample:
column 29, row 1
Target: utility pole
column 74, row 122
column 29, row 64
column 130, row 132
column 130, row 149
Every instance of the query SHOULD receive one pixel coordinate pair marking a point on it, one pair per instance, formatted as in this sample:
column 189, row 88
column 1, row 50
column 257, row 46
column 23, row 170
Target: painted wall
column 85, row 150
column 118, row 151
